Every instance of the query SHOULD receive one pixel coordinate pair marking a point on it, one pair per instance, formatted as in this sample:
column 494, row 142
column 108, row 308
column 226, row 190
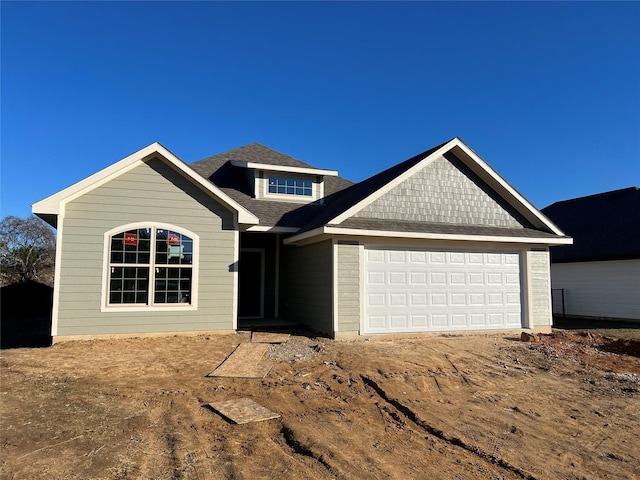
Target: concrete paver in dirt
column 244, row 362
column 269, row 337
column 243, row 410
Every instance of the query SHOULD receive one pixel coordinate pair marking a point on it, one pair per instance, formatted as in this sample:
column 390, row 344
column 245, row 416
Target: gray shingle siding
column 441, row 193
column 152, row 192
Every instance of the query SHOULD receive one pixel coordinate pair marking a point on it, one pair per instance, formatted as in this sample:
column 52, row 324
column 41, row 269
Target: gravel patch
column 296, row 349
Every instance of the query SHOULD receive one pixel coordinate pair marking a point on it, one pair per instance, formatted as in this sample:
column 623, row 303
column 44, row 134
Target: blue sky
column 547, row 93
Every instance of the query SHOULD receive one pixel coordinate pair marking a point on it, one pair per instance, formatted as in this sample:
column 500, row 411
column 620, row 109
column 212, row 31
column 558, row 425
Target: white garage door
column 420, row 290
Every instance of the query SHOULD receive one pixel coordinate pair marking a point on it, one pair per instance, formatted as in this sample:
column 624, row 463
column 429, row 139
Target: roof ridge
column 593, row 195
column 258, row 145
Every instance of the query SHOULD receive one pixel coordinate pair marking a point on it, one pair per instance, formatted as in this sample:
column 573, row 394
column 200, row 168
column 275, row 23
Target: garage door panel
column 513, row 299
column 421, row 290
column 396, row 256
column 436, row 258
column 398, row 321
column 458, row 299
column 477, row 299
column 417, row 257
column 511, row 279
column 496, row 319
column 418, row 300
column 397, row 278
column 476, row 259
column 438, row 299
column 418, row 278
column 419, row 321
column 439, row 320
column 377, row 322
column 375, row 278
column 398, row 299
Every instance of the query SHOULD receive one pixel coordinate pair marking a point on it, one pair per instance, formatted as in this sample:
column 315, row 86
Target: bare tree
column 27, row 250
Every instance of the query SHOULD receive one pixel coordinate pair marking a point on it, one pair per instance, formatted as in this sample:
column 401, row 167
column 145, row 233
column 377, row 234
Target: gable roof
column 341, row 210
column 605, row 226
column 50, row 207
column 225, row 179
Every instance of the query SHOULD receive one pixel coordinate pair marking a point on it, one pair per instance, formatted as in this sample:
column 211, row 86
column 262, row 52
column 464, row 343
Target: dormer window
column 285, row 183
column 290, row 186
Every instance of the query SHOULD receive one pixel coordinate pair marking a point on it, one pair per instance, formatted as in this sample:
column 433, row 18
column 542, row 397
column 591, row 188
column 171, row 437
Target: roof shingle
column 232, row 181
column 604, row 226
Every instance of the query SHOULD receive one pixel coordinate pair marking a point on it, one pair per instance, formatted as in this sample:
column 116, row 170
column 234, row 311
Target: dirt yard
column 450, row 407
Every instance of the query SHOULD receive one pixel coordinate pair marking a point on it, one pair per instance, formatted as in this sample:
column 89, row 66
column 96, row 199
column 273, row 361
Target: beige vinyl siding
column 348, row 265
column 306, row 290
column 150, row 192
column 539, row 288
column 608, row 289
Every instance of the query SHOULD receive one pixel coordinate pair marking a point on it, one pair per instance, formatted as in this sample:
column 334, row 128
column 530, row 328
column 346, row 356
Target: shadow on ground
column 584, row 323
column 25, row 315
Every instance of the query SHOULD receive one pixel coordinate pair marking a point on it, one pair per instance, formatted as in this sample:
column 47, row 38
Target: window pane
column 173, row 285
column 132, row 246
column 290, row 186
column 174, row 248
column 128, row 285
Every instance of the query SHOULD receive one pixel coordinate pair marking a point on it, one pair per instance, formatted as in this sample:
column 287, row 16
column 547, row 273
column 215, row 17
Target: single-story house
column 599, row 274
column 439, row 242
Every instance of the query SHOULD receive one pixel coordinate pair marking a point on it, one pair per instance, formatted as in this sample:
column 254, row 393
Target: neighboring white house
column 600, row 273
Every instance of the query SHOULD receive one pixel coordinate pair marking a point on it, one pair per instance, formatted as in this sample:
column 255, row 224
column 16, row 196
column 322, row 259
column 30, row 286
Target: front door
column 251, row 283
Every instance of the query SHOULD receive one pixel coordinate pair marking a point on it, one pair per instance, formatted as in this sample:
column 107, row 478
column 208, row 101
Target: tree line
column 27, row 251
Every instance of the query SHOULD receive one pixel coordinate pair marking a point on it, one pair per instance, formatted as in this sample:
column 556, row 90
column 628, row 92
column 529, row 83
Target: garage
column 428, row 290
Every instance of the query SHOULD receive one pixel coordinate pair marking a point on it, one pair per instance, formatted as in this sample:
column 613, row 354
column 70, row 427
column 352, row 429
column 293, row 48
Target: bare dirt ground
column 451, row 407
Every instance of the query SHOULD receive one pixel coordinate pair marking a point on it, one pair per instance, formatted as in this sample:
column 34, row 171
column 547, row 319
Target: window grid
column 131, row 253
column 290, row 186
column 172, row 285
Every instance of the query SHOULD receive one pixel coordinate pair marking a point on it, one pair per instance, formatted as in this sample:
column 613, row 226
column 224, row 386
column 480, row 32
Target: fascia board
column 442, row 236
column 490, row 175
column 389, row 186
column 266, row 228
column 283, row 168
column 304, row 236
column 426, row 236
column 512, row 194
column 52, row 204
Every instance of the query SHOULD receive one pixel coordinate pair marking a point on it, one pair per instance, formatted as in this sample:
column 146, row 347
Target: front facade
column 437, row 243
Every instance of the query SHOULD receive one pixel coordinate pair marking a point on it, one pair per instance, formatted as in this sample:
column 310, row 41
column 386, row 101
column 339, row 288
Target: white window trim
column 290, row 195
column 262, row 190
column 130, row 307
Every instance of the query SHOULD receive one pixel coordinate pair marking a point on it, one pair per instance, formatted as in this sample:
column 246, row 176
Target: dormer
column 280, row 183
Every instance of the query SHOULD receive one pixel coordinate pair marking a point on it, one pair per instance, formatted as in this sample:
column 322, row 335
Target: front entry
column 251, row 283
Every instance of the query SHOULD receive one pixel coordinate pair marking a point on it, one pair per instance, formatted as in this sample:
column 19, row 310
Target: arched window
column 150, row 265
